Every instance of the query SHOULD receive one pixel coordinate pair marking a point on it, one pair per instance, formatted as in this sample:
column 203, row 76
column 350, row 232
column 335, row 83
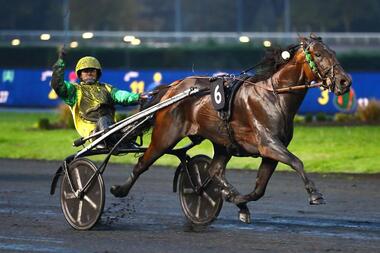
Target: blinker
column 285, row 55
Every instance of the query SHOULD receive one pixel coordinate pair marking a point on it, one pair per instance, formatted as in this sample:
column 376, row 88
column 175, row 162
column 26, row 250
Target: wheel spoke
column 188, row 190
column 198, row 207
column 206, row 196
column 69, row 195
column 198, row 175
column 90, row 202
column 80, row 207
column 77, row 177
column 205, row 166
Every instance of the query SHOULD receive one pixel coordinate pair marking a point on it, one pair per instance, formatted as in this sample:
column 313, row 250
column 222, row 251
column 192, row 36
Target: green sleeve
column 124, row 97
column 64, row 89
column 71, row 97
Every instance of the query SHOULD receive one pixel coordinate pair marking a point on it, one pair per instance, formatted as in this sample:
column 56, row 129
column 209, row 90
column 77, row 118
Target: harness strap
column 280, row 90
column 233, row 146
column 286, row 89
column 225, row 114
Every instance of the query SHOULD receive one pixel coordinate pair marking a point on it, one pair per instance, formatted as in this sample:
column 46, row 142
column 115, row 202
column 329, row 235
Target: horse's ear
column 314, row 36
column 302, row 39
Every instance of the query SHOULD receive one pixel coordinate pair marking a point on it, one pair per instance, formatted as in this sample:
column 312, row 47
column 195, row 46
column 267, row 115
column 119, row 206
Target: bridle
column 327, row 77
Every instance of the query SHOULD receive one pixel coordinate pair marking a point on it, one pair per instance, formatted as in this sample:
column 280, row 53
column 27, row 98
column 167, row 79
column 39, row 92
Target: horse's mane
column 272, row 62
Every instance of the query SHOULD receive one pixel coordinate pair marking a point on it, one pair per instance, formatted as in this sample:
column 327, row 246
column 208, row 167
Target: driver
column 92, row 102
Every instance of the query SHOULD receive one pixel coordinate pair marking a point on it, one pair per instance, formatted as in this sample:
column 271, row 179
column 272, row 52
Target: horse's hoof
column 316, row 199
column 118, row 191
column 245, row 216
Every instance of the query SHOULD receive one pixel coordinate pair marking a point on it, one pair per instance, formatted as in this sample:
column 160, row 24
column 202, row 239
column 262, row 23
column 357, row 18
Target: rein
column 280, row 90
column 299, row 87
column 286, row 89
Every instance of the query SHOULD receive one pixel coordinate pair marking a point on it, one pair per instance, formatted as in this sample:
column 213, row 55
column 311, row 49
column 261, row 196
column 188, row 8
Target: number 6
column 217, row 95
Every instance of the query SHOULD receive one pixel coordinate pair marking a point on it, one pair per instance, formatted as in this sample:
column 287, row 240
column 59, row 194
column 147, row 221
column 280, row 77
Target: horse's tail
column 155, row 97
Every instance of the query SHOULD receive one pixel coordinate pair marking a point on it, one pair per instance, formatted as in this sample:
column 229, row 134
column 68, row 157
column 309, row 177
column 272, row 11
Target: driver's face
column 89, row 75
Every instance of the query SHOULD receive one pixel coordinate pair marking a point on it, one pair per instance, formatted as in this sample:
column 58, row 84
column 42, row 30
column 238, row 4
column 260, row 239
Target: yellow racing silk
column 92, row 102
column 88, row 102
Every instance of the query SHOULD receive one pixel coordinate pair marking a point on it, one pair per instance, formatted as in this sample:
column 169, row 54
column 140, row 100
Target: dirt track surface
column 150, row 218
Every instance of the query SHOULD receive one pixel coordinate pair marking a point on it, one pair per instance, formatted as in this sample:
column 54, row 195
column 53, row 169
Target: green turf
column 354, row 149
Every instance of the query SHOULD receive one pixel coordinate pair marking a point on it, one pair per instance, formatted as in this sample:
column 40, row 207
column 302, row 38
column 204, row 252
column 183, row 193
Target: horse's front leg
column 275, row 150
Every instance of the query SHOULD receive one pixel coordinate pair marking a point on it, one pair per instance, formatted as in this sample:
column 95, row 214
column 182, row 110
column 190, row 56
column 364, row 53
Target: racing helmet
column 88, row 62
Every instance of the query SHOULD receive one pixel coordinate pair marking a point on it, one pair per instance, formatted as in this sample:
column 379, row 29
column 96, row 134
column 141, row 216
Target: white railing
column 339, row 41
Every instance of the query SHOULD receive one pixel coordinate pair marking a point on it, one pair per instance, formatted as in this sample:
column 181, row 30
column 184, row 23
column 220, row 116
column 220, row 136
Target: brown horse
column 261, row 124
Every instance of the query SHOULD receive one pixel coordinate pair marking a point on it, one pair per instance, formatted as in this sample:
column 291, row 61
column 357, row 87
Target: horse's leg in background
column 275, row 150
column 164, row 137
column 264, row 173
column 217, row 172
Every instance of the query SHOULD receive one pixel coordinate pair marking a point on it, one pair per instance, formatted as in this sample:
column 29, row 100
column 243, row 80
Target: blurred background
column 143, row 43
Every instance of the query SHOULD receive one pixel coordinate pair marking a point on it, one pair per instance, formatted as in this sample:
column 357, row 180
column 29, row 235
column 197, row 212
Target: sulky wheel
column 201, row 205
column 82, row 212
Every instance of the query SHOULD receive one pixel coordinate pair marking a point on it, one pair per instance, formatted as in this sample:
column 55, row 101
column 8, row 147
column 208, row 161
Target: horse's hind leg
column 277, row 151
column 164, row 137
column 217, row 172
column 264, row 173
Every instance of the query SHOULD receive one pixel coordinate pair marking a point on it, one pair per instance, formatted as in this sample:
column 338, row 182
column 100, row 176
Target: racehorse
column 261, row 123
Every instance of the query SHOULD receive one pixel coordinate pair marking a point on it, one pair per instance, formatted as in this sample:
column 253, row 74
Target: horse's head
column 324, row 65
